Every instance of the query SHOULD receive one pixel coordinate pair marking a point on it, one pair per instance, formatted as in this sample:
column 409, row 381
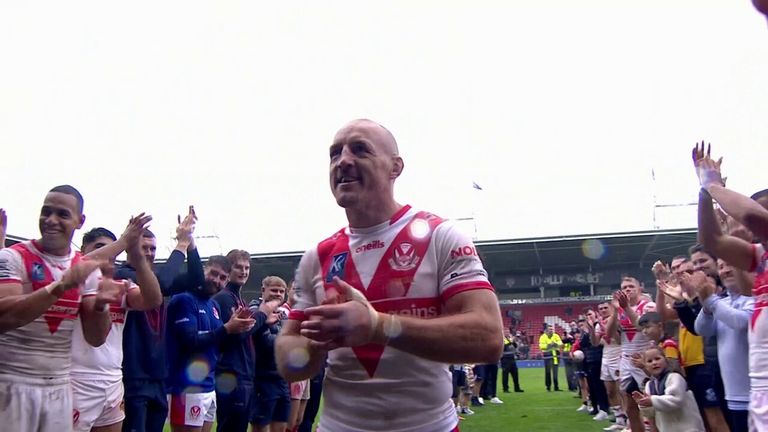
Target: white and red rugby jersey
column 632, row 339
column 758, row 326
column 41, row 349
column 105, row 361
column 410, row 265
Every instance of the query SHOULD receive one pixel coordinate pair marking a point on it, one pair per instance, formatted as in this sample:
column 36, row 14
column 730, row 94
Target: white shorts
column 758, row 411
column 193, row 409
column 27, row 405
column 96, row 403
column 610, row 369
column 300, row 390
column 627, row 371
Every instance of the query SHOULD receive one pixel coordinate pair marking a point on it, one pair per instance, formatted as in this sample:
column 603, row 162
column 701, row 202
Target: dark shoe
column 519, row 391
column 506, row 391
column 548, row 389
column 557, row 389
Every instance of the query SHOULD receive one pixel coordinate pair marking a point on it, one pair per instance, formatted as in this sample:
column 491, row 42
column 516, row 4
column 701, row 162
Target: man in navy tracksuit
column 272, row 400
column 144, row 365
column 194, row 333
column 235, row 368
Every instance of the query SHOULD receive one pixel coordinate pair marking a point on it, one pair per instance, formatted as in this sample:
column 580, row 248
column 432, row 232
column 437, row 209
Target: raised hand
column 670, row 290
column 135, row 229
column 111, row 292
column 621, row 299
column 78, row 273
column 186, row 226
column 241, row 321
column 661, row 271
column 698, row 283
column 707, row 170
column 642, row 399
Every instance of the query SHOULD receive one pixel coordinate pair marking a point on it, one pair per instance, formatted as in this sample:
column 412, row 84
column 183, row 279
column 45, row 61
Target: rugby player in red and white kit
column 44, row 287
column 629, row 305
column 97, row 375
column 388, row 299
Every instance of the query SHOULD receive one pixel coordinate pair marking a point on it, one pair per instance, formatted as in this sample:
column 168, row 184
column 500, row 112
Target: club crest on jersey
column 216, row 313
column 38, row 272
column 404, row 257
column 337, row 267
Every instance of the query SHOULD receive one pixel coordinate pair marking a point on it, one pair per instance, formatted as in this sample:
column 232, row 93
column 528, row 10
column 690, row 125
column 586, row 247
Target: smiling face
column 241, row 269
column 59, row 218
column 655, row 361
column 363, row 165
column 215, row 278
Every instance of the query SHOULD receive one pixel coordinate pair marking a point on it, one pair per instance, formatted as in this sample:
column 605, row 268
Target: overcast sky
column 559, row 110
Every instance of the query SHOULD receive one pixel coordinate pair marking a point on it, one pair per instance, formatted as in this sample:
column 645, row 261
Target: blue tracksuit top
column 193, row 334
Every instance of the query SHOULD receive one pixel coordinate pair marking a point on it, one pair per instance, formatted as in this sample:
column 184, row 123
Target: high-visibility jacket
column 550, row 345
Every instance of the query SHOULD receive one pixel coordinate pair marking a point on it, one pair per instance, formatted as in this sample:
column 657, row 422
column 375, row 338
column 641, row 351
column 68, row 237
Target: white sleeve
column 459, row 266
column 308, row 278
column 674, row 394
column 91, row 285
column 11, row 267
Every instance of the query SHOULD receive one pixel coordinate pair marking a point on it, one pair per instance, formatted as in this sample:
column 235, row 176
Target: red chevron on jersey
column 628, row 329
column 392, row 278
column 68, row 305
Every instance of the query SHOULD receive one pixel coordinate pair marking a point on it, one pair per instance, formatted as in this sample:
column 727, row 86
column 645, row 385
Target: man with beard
column 194, row 333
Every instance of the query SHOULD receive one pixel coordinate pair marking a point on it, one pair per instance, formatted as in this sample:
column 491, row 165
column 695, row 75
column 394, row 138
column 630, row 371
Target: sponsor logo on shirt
column 376, row 244
column 463, row 251
column 337, row 267
column 404, row 257
column 38, row 273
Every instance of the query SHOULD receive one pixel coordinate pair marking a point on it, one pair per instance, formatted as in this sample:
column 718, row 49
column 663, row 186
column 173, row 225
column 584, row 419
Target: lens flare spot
column 198, row 370
column 593, row 249
column 419, row 229
column 226, row 383
column 298, row 358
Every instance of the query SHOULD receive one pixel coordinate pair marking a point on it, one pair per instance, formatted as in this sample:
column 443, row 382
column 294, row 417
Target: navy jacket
column 144, row 332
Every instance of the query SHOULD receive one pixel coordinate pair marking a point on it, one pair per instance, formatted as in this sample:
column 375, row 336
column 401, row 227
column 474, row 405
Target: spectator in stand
column 509, row 363
column 550, row 345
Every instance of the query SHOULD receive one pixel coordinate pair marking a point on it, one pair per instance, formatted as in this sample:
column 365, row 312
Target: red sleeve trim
column 88, row 295
column 466, row 286
column 297, row 315
column 9, row 281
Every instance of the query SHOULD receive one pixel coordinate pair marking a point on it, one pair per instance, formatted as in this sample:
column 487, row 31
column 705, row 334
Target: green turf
column 535, row 410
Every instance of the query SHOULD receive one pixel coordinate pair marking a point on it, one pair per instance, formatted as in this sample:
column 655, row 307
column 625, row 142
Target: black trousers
column 598, row 395
column 509, row 367
column 233, row 408
column 570, row 374
column 488, row 389
column 550, row 373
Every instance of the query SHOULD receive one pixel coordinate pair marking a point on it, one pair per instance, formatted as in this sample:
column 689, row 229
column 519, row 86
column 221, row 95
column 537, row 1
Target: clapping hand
column 707, row 170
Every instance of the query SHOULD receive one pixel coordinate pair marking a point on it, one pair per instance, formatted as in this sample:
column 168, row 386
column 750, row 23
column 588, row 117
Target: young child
column 667, row 399
column 653, row 328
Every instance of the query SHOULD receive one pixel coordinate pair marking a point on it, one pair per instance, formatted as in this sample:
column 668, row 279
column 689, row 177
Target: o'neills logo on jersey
column 404, row 257
column 376, row 244
column 464, row 251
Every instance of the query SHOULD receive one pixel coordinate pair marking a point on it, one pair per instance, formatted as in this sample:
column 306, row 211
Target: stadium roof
column 627, row 249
